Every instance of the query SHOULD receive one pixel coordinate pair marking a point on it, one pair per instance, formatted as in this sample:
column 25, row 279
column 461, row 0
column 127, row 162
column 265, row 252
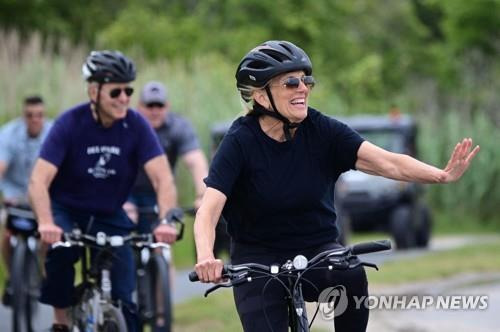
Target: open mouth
column 298, row 102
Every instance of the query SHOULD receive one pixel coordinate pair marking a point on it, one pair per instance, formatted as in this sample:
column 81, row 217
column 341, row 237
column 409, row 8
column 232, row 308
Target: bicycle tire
column 25, row 279
column 114, row 321
column 80, row 311
column 156, row 291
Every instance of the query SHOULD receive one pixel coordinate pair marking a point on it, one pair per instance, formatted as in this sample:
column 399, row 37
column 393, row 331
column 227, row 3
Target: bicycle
column 293, row 271
column 25, row 271
column 153, row 264
column 95, row 311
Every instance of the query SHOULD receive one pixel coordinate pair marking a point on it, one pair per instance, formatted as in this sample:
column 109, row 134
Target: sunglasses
column 33, row 115
column 155, row 105
column 294, row 82
column 115, row 93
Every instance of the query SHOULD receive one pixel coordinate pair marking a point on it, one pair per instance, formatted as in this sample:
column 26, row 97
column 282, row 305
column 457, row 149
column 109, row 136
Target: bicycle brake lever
column 214, row 288
column 374, row 266
column 361, row 263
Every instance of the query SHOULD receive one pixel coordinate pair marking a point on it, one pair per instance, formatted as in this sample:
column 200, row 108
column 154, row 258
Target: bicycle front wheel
column 157, row 303
column 25, row 280
column 113, row 321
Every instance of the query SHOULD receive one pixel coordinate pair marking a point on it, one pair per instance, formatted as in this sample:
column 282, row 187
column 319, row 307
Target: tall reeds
column 204, row 91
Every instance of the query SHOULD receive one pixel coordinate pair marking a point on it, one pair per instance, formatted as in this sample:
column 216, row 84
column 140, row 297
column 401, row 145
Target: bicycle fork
column 300, row 310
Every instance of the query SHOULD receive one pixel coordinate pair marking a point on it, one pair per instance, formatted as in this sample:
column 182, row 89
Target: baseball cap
column 153, row 92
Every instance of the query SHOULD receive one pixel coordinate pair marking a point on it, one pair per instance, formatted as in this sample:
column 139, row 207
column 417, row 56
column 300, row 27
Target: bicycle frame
column 94, row 292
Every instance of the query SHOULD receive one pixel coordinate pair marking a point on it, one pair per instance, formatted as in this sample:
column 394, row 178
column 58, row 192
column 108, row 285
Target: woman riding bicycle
column 273, row 180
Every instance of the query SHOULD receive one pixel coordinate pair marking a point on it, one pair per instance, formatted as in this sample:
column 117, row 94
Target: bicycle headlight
column 300, row 262
column 116, row 241
column 100, row 239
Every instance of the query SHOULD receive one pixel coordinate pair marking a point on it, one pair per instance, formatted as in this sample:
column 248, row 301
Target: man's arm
column 160, row 175
column 198, row 167
column 377, row 161
column 41, row 177
column 3, row 168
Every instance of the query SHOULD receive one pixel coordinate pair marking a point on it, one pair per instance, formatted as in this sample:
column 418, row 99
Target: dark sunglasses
column 115, row 93
column 294, row 82
column 33, row 115
column 155, row 105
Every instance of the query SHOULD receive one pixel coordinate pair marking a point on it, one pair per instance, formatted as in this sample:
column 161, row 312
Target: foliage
column 368, row 50
column 436, row 60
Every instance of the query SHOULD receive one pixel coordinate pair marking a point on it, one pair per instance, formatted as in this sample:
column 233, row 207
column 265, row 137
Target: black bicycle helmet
column 107, row 67
column 270, row 59
column 264, row 62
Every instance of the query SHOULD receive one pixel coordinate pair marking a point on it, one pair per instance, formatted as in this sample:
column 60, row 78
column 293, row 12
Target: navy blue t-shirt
column 280, row 195
column 97, row 166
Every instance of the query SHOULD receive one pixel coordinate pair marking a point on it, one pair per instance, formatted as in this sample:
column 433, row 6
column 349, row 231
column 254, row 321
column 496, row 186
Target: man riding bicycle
column 179, row 141
column 20, row 142
column 273, row 179
column 84, row 174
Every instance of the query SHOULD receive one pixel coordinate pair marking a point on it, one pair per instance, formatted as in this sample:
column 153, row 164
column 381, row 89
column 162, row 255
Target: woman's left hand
column 460, row 160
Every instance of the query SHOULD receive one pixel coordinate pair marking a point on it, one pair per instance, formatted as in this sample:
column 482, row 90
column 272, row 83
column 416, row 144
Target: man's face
column 155, row 113
column 34, row 116
column 114, row 100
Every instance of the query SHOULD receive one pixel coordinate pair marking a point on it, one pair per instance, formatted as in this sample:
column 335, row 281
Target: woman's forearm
column 410, row 169
column 204, row 234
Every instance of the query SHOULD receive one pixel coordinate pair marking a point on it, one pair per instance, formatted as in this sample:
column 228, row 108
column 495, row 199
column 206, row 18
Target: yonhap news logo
column 333, row 302
column 422, row 302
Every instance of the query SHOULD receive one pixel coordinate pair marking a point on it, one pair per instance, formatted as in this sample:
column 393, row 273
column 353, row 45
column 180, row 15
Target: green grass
column 184, row 251
column 215, row 313
column 446, row 223
column 439, row 265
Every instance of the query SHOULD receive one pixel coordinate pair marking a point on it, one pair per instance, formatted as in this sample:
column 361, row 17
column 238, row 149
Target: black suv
column 368, row 202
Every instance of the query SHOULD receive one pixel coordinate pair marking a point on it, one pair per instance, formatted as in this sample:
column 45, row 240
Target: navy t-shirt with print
column 97, row 166
column 280, row 195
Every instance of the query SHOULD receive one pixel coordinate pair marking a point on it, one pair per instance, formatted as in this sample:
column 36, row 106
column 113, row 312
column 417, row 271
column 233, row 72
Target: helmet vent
column 275, row 55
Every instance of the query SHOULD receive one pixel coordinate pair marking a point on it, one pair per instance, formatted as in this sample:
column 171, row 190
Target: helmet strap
column 97, row 103
column 287, row 125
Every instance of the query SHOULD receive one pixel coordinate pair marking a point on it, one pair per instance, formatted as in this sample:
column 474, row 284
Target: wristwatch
column 164, row 221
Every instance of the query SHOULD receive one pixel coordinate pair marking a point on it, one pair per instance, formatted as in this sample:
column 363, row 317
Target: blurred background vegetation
column 435, row 59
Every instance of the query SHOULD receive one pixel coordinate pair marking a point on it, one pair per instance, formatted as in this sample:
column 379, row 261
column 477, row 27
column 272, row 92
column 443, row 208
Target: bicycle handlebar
column 102, row 240
column 368, row 247
column 343, row 252
column 153, row 210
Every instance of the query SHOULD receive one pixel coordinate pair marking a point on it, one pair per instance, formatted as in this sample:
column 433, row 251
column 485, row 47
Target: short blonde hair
column 246, row 94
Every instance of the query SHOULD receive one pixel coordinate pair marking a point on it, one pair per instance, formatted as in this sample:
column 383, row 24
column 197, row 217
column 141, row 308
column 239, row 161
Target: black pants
column 254, row 303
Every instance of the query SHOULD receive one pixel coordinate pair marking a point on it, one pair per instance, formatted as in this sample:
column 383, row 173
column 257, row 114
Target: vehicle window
column 388, row 140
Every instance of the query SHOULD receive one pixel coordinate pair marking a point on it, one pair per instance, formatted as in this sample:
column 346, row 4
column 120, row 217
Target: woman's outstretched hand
column 460, row 160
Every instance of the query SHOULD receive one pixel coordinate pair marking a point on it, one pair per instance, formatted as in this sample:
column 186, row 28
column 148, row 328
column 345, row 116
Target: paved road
column 433, row 319
column 185, row 290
